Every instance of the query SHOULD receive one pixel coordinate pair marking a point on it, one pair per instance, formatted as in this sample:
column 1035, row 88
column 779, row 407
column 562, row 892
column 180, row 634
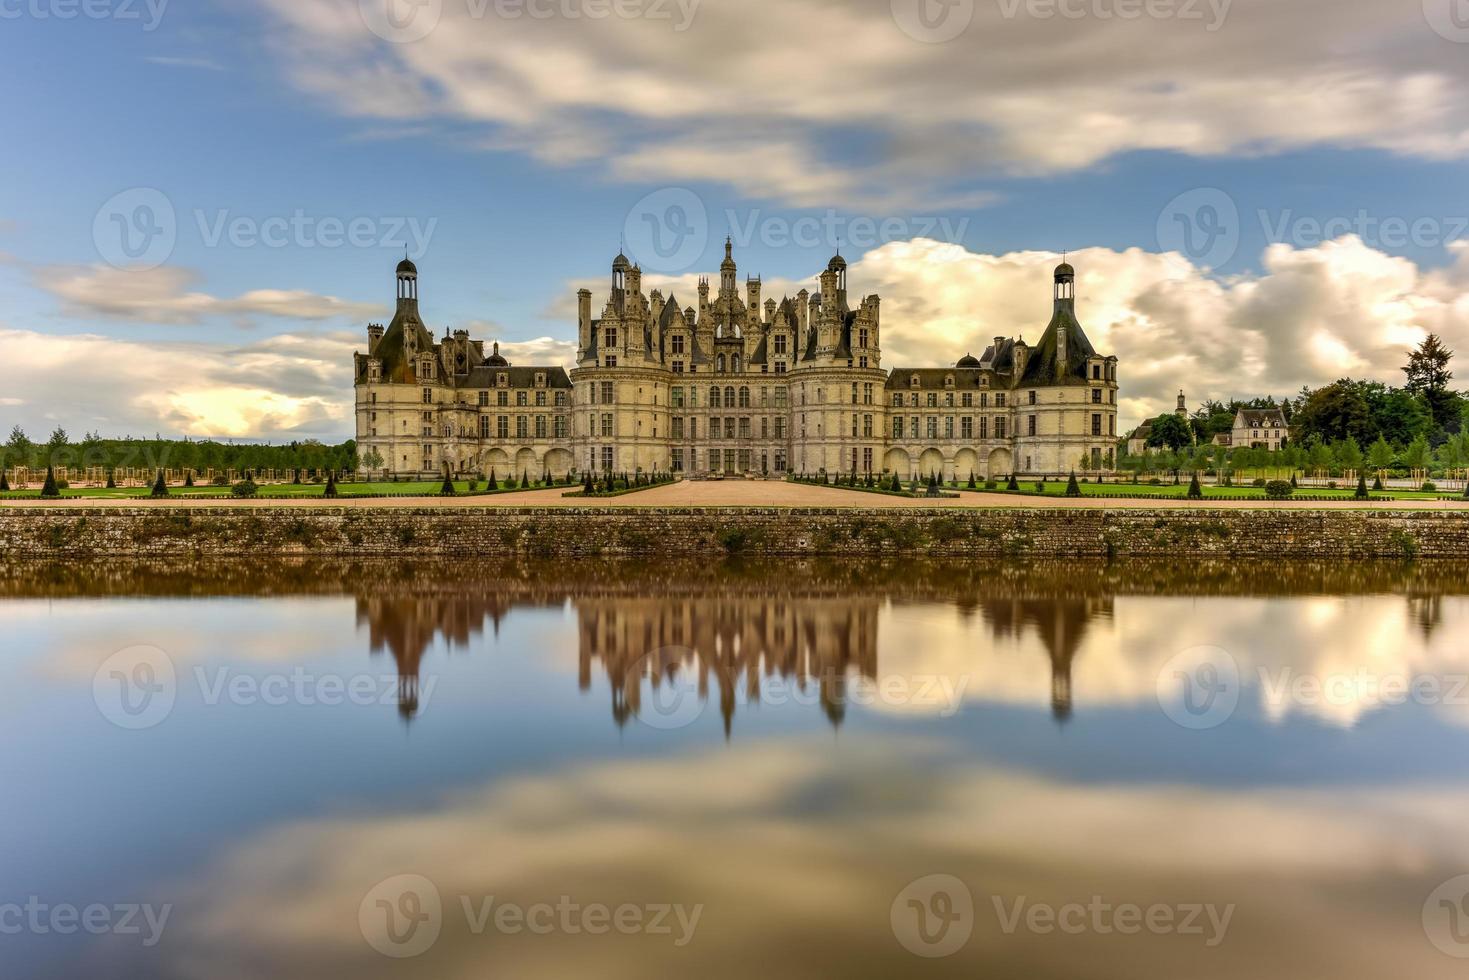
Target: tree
column 1072, row 489
column 4, row 482
column 1334, row 412
column 447, row 489
column 331, row 484
column 1429, row 376
column 1195, row 490
column 49, row 488
column 160, row 486
column 1171, row 431
column 1362, row 486
column 18, row 448
column 1381, row 454
column 1417, row 454
column 1349, row 454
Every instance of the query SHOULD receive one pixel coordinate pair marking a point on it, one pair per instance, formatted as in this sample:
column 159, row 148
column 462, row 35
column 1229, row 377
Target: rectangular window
column 522, row 427
column 913, row 427
column 561, row 427
column 867, row 460
column 1096, row 425
column 966, row 428
column 606, row 457
column 999, row 399
column 607, row 393
column 678, row 367
column 780, row 345
column 678, row 427
column 678, row 460
column 502, row 399
column 484, row 399
column 966, row 400
column 540, row 427
column 897, row 399
column 999, row 427
column 540, row 399
column 933, row 427
column 484, row 426
column 984, row 427
column 729, row 428
column 676, row 343
column 781, row 397
column 611, row 338
column 1031, row 396
column 744, row 428
column 867, row 426
column 780, row 427
column 607, row 426
column 428, row 396
column 949, row 427
column 1096, row 396
column 897, row 428
column 502, row 426
column 1030, row 425
column 521, row 399
column 675, row 396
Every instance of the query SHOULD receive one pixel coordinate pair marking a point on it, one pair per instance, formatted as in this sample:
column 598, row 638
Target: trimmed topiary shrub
column 49, row 488
column 1279, row 489
column 245, row 488
column 1072, row 488
column 1429, row 487
column 4, row 482
column 1361, row 493
column 447, row 490
column 160, row 486
column 112, row 479
column 331, row 485
column 1195, row 489
column 1377, row 483
column 1014, row 484
column 188, row 478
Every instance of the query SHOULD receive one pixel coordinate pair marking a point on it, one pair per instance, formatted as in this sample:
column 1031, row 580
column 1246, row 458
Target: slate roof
column 1040, row 366
column 1263, row 418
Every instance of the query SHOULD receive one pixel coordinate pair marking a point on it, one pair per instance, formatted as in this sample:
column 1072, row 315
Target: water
column 529, row 770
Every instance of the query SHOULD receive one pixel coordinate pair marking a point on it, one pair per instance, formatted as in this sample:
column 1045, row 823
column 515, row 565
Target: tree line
column 1349, row 424
column 93, row 451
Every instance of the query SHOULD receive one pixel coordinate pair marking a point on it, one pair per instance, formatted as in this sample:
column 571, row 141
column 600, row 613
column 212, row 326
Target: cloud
column 826, row 839
column 747, row 96
column 286, row 385
column 163, row 295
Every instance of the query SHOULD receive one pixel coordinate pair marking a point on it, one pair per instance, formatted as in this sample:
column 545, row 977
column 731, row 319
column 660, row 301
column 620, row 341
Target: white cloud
column 285, row 385
column 163, row 295
column 752, row 95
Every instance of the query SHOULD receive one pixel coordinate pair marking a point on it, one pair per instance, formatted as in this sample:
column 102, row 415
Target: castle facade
column 734, row 385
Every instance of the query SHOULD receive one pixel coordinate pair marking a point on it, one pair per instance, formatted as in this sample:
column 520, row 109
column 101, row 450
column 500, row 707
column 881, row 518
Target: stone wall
column 179, row 531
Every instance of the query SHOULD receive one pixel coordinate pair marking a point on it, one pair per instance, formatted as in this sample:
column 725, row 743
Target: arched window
column 734, row 364
column 729, row 398
column 720, row 363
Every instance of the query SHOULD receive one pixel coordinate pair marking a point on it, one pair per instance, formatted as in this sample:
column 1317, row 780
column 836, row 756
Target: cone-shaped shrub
column 160, row 486
column 188, row 478
column 1195, row 489
column 112, row 479
column 331, row 484
column 447, row 490
column 973, row 483
column 1014, row 484
column 49, row 488
column 1361, row 486
column 524, row 480
column 1377, row 483
column 1072, row 489
column 4, row 482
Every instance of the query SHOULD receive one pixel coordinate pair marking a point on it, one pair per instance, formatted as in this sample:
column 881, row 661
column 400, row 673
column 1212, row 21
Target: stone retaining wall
column 716, row 532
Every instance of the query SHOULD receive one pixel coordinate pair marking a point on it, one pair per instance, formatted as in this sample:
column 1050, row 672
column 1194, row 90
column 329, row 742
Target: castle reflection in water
column 726, row 646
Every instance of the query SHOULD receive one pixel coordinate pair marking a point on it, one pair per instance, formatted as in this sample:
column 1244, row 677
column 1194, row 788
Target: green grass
column 1211, row 492
column 268, row 491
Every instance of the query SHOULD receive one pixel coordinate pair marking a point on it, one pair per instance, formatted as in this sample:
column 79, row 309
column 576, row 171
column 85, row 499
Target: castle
column 732, row 386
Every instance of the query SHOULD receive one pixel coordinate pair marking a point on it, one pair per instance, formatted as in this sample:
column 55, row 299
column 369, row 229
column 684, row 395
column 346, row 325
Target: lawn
column 1215, row 493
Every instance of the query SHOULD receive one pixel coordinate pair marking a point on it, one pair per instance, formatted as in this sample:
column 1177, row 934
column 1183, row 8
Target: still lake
column 539, row 770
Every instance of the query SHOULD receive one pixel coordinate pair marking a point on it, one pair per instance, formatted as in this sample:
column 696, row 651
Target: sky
column 203, row 202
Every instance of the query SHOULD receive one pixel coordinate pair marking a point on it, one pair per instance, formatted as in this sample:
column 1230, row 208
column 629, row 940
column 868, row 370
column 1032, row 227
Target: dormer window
column 949, row 381
column 502, row 380
column 540, row 380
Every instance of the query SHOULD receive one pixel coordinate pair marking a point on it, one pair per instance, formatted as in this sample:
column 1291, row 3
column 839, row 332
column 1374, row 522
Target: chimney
column 802, row 306
column 584, row 318
column 752, row 286
column 374, row 335
column 635, row 281
column 1022, row 354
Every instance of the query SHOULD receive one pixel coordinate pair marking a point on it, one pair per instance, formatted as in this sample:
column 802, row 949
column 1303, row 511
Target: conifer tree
column 331, row 484
column 1362, row 487
column 160, row 486
column 49, row 488
column 447, row 490
column 1195, row 489
column 1072, row 489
